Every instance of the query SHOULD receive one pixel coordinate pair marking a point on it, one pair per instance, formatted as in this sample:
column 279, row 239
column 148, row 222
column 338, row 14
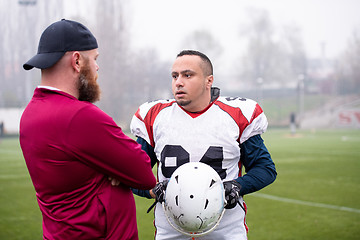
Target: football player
column 199, row 125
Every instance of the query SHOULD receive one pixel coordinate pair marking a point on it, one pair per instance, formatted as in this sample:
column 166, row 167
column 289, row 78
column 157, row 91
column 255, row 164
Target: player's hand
column 158, row 192
column 232, row 193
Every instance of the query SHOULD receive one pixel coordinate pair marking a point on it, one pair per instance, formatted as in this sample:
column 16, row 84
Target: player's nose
column 179, row 82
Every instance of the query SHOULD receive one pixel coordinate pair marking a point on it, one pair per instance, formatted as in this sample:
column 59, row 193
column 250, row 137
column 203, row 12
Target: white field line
column 307, row 203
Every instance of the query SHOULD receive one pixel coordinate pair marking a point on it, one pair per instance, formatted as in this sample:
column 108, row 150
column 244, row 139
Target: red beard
column 89, row 89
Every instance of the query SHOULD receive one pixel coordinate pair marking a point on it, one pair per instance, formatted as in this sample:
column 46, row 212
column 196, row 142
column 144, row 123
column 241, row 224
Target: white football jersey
column 212, row 137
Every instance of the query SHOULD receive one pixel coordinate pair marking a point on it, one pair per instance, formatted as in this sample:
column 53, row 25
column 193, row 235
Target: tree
column 22, row 22
column 258, row 59
column 18, row 26
column 348, row 70
column 111, row 34
column 292, row 42
column 203, row 41
column 275, row 57
column 127, row 79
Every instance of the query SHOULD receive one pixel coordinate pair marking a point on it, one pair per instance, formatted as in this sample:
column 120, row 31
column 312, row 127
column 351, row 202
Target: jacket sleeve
column 259, row 167
column 95, row 139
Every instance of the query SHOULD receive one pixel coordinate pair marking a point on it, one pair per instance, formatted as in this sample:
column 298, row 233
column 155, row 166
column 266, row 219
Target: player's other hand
column 158, row 192
column 232, row 193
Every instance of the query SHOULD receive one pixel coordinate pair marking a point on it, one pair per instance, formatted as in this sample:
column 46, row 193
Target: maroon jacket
column 70, row 148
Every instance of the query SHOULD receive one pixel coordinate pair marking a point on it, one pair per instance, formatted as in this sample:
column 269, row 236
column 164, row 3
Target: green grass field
column 316, row 195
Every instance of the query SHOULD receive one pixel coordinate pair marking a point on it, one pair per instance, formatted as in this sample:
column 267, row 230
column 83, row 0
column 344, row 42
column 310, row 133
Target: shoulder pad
column 145, row 107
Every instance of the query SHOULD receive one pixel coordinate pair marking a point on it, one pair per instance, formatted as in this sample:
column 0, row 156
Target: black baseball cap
column 59, row 38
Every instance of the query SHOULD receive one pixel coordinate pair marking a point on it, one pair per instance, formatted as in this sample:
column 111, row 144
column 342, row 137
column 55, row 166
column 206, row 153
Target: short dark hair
column 208, row 69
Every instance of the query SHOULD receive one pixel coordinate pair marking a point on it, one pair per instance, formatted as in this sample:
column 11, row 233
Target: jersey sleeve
column 149, row 150
column 259, row 167
column 142, row 122
column 247, row 114
column 137, row 124
column 257, row 125
column 256, row 120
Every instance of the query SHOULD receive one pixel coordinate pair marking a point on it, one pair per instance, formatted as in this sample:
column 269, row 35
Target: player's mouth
column 180, row 94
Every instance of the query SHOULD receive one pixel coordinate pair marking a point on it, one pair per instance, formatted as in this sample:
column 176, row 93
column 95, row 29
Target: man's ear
column 209, row 81
column 75, row 61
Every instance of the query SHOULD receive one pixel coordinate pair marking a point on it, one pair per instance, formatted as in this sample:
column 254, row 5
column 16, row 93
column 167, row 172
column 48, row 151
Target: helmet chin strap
column 192, row 234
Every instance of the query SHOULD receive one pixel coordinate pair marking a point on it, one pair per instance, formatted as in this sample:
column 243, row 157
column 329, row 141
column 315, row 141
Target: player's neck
column 196, row 114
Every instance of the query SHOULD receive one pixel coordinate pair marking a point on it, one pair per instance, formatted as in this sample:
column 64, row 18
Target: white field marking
column 311, row 204
column 351, row 138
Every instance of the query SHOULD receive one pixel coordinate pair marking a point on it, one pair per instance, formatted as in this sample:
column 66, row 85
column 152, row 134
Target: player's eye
column 174, row 76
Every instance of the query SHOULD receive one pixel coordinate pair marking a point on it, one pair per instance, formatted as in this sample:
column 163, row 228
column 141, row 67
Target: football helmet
column 194, row 199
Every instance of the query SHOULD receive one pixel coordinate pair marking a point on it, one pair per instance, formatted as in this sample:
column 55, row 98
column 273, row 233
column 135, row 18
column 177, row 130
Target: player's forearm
column 258, row 164
column 142, row 193
column 256, row 179
column 148, row 149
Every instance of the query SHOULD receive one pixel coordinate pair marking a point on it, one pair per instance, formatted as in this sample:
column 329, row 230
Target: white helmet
column 194, row 199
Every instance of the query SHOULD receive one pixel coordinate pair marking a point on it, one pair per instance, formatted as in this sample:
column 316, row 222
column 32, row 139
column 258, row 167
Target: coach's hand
column 232, row 193
column 114, row 182
column 158, row 192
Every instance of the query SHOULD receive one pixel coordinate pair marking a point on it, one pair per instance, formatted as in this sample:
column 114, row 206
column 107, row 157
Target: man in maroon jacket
column 71, row 147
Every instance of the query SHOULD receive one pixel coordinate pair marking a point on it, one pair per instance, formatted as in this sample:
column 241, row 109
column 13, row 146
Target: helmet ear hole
column 194, row 199
column 212, row 182
column 206, row 203
column 177, row 200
